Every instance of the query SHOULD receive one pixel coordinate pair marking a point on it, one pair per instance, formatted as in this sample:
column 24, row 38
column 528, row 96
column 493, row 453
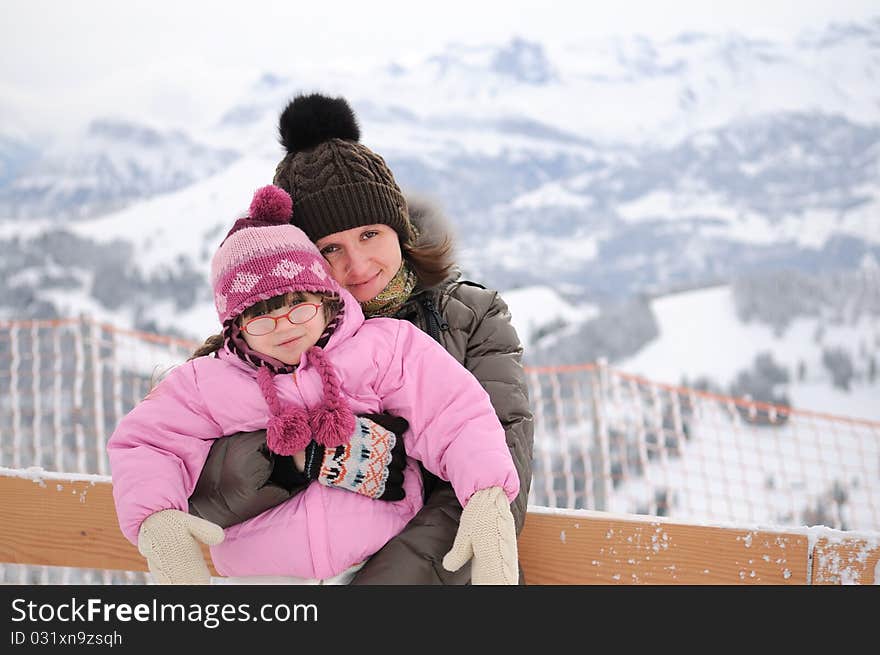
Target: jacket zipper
column 434, row 320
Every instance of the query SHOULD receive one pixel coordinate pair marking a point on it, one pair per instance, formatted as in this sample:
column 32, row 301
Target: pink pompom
column 332, row 427
column 288, row 433
column 271, row 204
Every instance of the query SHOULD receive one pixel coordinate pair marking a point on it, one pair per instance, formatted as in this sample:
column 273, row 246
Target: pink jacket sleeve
column 454, row 430
column 158, row 450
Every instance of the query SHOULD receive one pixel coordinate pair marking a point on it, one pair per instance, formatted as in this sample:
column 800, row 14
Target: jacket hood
column 349, row 319
column 433, row 230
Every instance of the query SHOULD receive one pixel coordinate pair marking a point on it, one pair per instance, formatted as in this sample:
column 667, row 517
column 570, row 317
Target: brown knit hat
column 336, row 183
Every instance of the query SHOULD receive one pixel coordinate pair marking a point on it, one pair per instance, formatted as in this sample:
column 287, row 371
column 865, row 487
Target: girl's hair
column 431, row 262
column 331, row 303
column 212, row 344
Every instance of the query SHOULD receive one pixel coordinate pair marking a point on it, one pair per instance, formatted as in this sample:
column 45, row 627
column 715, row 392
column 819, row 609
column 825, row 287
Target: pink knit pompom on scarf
column 290, row 430
column 289, row 433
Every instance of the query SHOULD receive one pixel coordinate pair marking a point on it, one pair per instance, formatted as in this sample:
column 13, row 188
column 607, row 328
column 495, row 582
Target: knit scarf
column 392, row 297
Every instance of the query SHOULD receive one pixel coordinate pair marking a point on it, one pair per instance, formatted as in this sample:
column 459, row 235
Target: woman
column 395, row 256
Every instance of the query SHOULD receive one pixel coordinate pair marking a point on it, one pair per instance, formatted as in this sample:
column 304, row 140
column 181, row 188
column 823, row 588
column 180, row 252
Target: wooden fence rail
column 69, row 520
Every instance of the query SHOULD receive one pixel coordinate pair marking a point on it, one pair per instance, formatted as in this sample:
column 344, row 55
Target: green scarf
column 392, row 297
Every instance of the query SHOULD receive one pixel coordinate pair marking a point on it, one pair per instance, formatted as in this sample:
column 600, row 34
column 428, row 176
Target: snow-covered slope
column 701, row 336
column 536, row 310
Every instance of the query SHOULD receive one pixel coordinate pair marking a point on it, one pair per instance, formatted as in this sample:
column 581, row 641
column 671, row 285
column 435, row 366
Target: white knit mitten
column 486, row 532
column 169, row 539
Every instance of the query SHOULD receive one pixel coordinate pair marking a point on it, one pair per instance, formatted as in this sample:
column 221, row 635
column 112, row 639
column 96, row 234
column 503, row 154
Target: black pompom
column 312, row 119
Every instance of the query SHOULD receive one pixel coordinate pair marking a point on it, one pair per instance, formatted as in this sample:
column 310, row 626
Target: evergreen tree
column 839, row 363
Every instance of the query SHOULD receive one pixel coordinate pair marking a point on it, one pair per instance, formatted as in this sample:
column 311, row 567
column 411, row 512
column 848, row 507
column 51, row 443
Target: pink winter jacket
column 384, row 365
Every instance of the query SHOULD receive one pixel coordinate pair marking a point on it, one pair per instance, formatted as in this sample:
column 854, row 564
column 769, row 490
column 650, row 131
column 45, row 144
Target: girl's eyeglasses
column 298, row 314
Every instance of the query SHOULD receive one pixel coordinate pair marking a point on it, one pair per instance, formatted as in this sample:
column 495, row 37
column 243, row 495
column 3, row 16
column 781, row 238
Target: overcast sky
column 54, row 51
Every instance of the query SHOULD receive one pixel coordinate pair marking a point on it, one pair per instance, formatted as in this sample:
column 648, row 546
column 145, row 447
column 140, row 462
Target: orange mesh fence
column 604, row 439
column 611, row 441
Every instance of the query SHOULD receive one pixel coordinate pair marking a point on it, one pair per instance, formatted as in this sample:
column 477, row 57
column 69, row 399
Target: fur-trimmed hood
column 433, row 229
column 429, row 220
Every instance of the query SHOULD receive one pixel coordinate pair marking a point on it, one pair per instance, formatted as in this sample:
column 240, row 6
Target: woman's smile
column 366, row 281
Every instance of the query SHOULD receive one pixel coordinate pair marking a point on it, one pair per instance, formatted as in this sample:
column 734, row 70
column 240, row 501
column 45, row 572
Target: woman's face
column 363, row 259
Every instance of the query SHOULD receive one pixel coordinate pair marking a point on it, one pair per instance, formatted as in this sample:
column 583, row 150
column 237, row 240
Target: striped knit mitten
column 371, row 463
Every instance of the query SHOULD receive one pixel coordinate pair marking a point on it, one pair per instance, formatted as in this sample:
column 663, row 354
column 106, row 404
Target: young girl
column 299, row 362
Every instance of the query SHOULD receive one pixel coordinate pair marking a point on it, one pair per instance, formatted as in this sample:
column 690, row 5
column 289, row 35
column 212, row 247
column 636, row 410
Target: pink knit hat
column 261, row 257
column 264, row 256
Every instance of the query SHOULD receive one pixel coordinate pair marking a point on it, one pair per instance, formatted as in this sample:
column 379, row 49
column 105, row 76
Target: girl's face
column 363, row 259
column 286, row 342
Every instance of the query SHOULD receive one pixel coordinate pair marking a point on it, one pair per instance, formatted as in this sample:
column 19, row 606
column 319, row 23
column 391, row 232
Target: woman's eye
column 369, row 234
column 328, row 250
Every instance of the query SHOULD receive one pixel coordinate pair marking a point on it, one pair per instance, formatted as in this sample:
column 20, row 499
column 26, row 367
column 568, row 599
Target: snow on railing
column 604, row 439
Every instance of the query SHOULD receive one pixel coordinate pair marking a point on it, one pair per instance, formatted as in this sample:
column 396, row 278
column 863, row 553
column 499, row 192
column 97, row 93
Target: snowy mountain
column 614, row 172
column 112, row 164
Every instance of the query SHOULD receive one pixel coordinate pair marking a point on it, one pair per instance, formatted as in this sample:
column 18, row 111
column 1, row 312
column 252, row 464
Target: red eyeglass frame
column 316, row 305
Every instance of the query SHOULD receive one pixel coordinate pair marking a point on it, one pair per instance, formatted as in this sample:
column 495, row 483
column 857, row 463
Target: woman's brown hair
column 431, row 262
